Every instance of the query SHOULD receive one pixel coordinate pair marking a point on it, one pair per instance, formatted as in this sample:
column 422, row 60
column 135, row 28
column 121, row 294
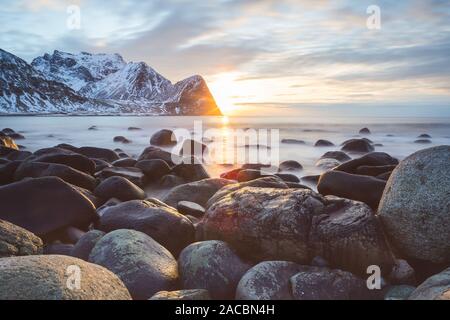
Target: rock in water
column 323, row 143
column 154, row 168
column 364, row 131
column 161, row 222
column 16, row 241
column 46, row 278
column 163, row 137
column 297, row 225
column 44, row 205
column 144, row 266
column 194, row 294
column 357, row 145
column 211, row 265
column 119, row 188
column 290, row 165
column 436, row 287
column 415, row 207
column 133, row 174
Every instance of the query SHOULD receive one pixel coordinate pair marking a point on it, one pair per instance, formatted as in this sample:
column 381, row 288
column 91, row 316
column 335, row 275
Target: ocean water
column 396, row 134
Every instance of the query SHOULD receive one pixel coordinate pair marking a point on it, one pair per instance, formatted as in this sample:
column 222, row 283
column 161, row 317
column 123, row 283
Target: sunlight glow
column 223, row 88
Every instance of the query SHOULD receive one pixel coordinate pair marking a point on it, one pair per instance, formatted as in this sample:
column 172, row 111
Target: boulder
column 133, row 174
column 7, row 171
column 154, row 168
column 121, row 139
column 63, row 249
column 171, row 181
column 327, row 164
column 287, row 177
column 16, row 241
column 289, row 165
column 192, row 148
column 436, row 287
column 312, row 179
column 144, row 266
column 422, row 141
column 52, row 277
column 66, row 173
column 351, row 186
column 87, row 242
column 163, row 137
column 424, row 136
column 100, row 164
column 190, row 208
column 292, row 141
column 199, row 191
column 372, row 159
column 323, row 143
column 98, row 153
column 151, row 152
column 152, row 217
column 248, row 175
column 134, row 129
column 120, row 188
column 297, row 225
column 190, row 170
column 211, row 265
column 400, row 292
column 44, row 205
column 13, row 154
column 125, row 162
column 232, row 174
column 194, row 294
column 374, row 170
column 337, row 155
column 364, row 131
column 66, row 157
column 415, row 206
column 357, row 145
column 16, row 136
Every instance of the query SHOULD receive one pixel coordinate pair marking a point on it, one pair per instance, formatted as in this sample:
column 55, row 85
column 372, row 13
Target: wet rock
column 16, row 136
column 199, row 192
column 66, row 173
column 171, row 181
column 152, row 217
column 121, row 139
column 374, row 170
column 98, row 153
column 13, row 154
column 255, row 166
column 384, row 176
column 194, row 294
column 327, row 164
column 248, row 175
column 323, row 143
column 351, row 186
column 422, row 141
column 401, row 292
column 364, row 131
column 48, row 276
column 144, row 266
column 232, row 174
column 436, row 287
column 68, row 158
column 415, row 206
column 211, row 265
column 120, row 188
column 313, row 179
column 292, row 141
column 93, row 128
column 286, row 177
column 44, row 205
column 290, row 165
column 337, row 155
column 424, row 136
column 190, row 208
column 100, row 164
column 16, row 241
column 133, row 129
column 163, row 137
column 372, row 159
column 87, row 242
column 63, row 249
column 152, row 152
column 133, row 174
column 358, row 145
column 7, row 131
column 154, row 168
column 7, row 171
column 190, row 170
column 125, row 162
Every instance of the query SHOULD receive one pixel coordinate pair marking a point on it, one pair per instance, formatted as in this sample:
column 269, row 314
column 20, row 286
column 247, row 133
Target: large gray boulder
column 297, row 225
column 436, row 287
column 211, row 265
column 144, row 266
column 16, row 241
column 415, row 207
column 161, row 222
column 53, row 277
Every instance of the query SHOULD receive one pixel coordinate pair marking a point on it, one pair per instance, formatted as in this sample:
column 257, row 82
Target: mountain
column 97, row 84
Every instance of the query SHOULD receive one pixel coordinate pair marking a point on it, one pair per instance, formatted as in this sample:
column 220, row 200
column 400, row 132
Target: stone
column 287, row 177
column 357, row 145
column 248, row 175
column 436, row 287
column 211, row 265
column 125, row 162
column 120, row 188
column 44, row 205
column 199, row 191
column 8, row 142
column 16, row 241
column 364, row 131
column 7, row 171
column 374, row 170
column 190, row 170
column 66, row 173
column 66, row 157
column 312, row 179
column 144, row 266
column 194, row 294
column 323, row 143
column 152, row 217
column 402, row 273
column 327, row 164
column 154, row 168
column 400, row 292
column 423, row 141
column 16, row 136
column 134, row 129
column 121, row 139
column 297, row 225
column 87, row 242
column 424, row 136
column 62, row 249
column 98, row 153
column 152, row 152
column 231, row 174
column 372, row 159
column 163, row 137
column 100, row 164
column 13, row 154
column 289, row 165
column 133, row 174
column 415, row 206
column 351, row 186
column 190, row 208
column 171, row 181
column 337, row 155
column 292, row 141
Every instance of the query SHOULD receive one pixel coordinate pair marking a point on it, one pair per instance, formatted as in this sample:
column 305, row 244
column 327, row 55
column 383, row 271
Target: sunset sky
column 265, row 53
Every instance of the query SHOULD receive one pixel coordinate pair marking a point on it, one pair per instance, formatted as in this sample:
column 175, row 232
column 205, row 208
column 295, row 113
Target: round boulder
column 436, row 287
column 119, row 188
column 87, row 242
column 163, row 137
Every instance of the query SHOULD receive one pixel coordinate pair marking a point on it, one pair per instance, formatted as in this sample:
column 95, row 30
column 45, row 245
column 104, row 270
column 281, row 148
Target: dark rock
column 357, row 145
column 337, row 155
column 84, row 246
column 120, row 188
column 16, row 136
column 327, row 164
column 422, row 141
column 126, row 162
column 163, row 137
column 68, row 174
column 255, row 166
column 133, row 174
column 152, row 217
column 96, row 201
column 190, row 208
column 424, row 136
column 100, row 164
column 364, row 131
column 313, row 179
column 144, row 266
column 13, row 154
column 153, row 169
column 374, row 170
column 414, row 209
column 7, row 171
column 213, row 266
column 192, row 148
column 436, row 287
column 373, row 159
column 248, row 175
column 292, row 141
column 62, row 249
column 351, row 186
column 8, row 131
column 134, row 129
column 402, row 273
column 384, row 176
column 323, row 143
column 194, row 294
column 121, row 139
column 289, row 165
column 123, row 155
column 199, row 192
column 48, row 276
column 44, row 205
column 286, row 177
column 156, row 153
column 296, row 185
column 16, row 241
column 400, row 292
column 68, row 158
column 93, row 128
column 190, row 171
column 171, row 181
column 98, row 153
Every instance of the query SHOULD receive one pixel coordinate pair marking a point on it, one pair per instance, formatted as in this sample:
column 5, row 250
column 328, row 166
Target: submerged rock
column 323, row 143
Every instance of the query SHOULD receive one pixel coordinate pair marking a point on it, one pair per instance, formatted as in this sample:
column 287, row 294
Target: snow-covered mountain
column 97, row 83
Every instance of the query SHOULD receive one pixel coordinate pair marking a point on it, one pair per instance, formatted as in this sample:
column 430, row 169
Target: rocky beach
column 158, row 225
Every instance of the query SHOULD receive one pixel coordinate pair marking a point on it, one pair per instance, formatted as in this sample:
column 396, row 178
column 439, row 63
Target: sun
column 223, row 88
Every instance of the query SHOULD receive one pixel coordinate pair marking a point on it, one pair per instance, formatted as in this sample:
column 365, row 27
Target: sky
column 258, row 54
